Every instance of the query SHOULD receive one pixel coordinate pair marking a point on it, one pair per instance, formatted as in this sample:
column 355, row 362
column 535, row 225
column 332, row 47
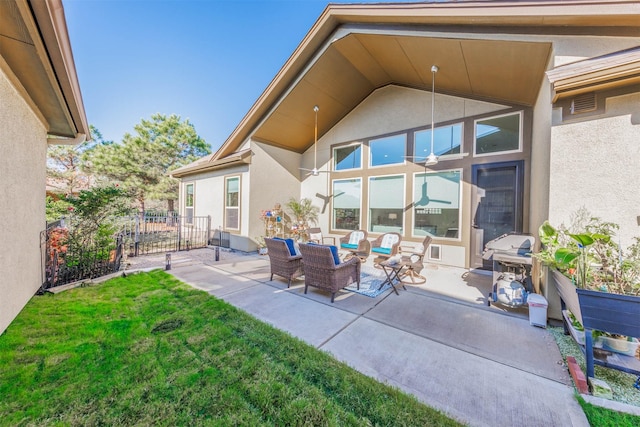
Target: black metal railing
column 63, row 263
column 155, row 233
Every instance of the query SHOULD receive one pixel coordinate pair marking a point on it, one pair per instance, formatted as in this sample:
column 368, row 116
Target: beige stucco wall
column 23, row 149
column 274, row 179
column 209, row 190
column 594, row 165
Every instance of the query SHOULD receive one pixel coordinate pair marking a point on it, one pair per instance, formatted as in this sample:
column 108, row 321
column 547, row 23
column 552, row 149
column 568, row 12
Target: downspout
column 56, row 140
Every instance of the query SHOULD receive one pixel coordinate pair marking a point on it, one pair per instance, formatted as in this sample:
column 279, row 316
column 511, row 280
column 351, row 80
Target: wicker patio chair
column 282, row 262
column 321, row 271
column 316, row 236
column 386, row 246
column 415, row 258
column 356, row 244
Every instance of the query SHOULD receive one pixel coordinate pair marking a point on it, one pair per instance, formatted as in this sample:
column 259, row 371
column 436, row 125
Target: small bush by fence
column 64, row 263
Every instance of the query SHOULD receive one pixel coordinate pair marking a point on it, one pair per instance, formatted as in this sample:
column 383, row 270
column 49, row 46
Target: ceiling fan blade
column 446, row 202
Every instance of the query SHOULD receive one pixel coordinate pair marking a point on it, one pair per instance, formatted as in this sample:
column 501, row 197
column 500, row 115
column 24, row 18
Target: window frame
column 333, row 216
column 443, row 157
column 403, row 227
column 189, row 210
column 460, row 206
column 227, row 179
column 372, row 141
column 520, row 148
column 339, row 147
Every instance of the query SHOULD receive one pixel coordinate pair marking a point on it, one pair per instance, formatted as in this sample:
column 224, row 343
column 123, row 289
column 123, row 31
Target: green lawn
column 148, row 349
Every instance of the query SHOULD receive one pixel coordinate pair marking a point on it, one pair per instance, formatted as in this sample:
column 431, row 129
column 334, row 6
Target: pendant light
column 432, row 159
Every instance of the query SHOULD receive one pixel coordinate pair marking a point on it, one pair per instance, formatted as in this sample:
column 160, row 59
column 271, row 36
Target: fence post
column 208, row 229
column 137, row 238
column 179, row 231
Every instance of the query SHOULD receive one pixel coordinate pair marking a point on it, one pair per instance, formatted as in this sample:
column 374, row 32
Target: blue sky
column 204, row 60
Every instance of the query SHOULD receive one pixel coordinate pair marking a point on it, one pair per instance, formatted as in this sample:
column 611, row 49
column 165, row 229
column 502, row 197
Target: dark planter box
column 613, row 313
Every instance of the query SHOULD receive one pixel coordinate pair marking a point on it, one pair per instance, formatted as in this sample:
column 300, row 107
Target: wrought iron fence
column 63, row 263
column 150, row 233
column 156, row 233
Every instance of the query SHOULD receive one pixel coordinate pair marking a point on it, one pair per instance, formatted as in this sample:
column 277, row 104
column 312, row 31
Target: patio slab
column 477, row 330
column 474, row 390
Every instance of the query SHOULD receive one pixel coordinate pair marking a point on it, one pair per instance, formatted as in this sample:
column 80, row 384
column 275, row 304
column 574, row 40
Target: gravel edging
column 626, row 398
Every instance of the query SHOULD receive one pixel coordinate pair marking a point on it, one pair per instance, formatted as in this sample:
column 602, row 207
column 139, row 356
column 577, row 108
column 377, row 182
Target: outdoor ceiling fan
column 315, row 171
column 432, row 159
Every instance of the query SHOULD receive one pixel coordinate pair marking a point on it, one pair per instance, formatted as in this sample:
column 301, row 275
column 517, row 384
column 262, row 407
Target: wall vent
column 583, row 103
column 435, row 252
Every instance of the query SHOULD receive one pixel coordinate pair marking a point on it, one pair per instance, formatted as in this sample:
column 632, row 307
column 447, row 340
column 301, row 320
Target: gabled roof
column 208, row 163
column 35, row 53
column 354, row 49
column 603, row 72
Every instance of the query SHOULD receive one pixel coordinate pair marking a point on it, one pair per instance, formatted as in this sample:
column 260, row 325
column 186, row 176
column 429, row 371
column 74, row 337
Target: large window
column 388, row 151
column 188, row 203
column 349, row 157
column 436, row 204
column 386, row 204
column 232, row 203
column 500, row 134
column 346, row 204
column 447, row 140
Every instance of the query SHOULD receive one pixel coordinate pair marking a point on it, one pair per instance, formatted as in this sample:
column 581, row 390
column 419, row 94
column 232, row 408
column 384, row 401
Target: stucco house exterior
column 536, row 110
column 40, row 104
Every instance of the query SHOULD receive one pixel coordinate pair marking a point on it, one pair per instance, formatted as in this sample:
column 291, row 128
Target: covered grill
column 511, row 256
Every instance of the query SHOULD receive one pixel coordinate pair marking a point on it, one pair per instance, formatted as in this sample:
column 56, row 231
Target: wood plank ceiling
column 357, row 64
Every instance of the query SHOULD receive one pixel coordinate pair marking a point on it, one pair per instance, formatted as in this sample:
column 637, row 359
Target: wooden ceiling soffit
column 388, row 52
column 446, row 54
column 282, row 131
column 338, row 78
column 361, row 59
column 506, row 71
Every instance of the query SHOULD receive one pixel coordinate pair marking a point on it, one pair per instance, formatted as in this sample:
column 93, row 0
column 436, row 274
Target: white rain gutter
column 58, row 140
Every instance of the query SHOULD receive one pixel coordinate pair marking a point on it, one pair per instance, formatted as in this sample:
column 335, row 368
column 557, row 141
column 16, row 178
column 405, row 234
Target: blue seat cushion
column 334, row 252
column 381, row 250
column 348, row 246
column 333, row 249
column 290, row 245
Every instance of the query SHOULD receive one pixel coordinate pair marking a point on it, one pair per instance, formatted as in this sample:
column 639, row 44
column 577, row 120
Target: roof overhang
column 208, row 164
column 605, row 72
column 354, row 49
column 35, row 52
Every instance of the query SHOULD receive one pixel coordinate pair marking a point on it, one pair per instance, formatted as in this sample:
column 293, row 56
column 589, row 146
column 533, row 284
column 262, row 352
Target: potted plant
column 262, row 246
column 303, row 212
column 598, row 282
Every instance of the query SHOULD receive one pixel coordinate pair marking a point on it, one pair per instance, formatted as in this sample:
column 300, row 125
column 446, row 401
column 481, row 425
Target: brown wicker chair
column 316, row 236
column 282, row 262
column 321, row 271
column 356, row 244
column 415, row 258
column 386, row 246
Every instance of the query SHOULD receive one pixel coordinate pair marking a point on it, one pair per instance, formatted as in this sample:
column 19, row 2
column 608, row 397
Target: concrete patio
column 483, row 366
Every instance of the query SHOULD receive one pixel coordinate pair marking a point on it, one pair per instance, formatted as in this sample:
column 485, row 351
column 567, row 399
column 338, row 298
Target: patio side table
column 393, row 269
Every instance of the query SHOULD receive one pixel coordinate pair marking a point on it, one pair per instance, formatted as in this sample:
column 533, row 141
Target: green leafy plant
column 586, row 252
